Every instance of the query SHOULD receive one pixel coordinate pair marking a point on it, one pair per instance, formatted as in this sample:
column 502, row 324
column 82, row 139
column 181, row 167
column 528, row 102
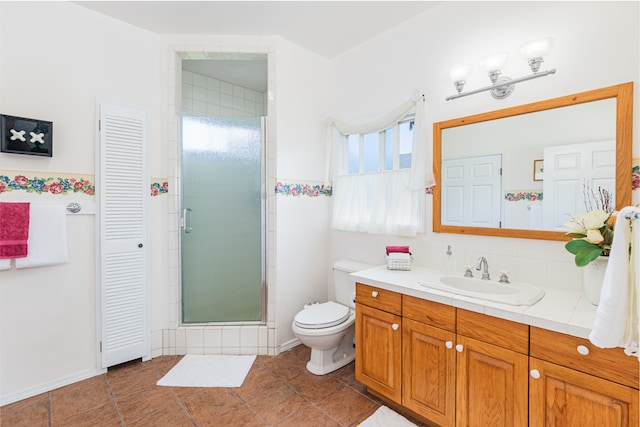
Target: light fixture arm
column 505, row 83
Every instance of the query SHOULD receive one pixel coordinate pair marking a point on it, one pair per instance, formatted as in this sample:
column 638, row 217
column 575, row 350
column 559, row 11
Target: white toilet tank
column 343, row 285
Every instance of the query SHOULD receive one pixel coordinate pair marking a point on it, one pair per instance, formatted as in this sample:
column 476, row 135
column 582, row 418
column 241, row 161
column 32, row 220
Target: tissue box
column 399, row 261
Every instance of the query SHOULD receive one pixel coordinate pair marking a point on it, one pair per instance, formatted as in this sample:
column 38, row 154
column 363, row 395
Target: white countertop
column 559, row 310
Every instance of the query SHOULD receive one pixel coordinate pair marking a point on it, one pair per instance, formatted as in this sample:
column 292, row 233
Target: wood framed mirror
column 613, row 104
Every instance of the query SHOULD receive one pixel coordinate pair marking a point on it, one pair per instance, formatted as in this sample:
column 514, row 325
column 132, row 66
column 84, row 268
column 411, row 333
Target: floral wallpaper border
column 303, row 190
column 63, row 185
column 159, row 186
column 50, row 185
column 516, row 196
column 635, row 174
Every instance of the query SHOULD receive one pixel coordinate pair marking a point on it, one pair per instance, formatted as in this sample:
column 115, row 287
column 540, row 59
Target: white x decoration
column 17, row 135
column 37, row 137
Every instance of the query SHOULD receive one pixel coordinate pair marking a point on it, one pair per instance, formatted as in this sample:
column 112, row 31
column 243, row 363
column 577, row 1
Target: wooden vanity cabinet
column 462, row 368
column 455, row 367
column 379, row 341
column 429, row 361
column 574, row 383
column 492, row 371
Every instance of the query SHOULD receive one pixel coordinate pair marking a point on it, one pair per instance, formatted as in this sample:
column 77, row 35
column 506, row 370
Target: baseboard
column 6, row 399
column 289, row 345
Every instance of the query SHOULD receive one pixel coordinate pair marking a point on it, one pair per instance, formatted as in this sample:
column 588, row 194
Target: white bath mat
column 385, row 417
column 208, row 371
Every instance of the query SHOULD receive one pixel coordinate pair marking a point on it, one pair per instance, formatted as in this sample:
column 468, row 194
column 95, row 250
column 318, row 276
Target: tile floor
column 278, row 391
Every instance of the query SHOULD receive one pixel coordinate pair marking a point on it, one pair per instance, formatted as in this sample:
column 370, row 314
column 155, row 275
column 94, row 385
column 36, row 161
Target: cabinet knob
column 374, row 294
column 583, row 350
column 395, row 326
column 459, row 348
column 535, row 374
column 448, row 344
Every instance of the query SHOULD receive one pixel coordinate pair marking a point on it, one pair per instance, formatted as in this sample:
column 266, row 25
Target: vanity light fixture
column 502, row 86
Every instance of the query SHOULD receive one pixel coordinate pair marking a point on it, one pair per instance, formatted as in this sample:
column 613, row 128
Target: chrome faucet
column 485, row 273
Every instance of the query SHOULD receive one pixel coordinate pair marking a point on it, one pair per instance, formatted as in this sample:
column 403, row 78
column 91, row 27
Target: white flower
column 594, row 236
column 585, row 221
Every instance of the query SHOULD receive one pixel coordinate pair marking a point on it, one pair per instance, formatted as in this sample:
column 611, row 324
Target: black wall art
column 26, row 136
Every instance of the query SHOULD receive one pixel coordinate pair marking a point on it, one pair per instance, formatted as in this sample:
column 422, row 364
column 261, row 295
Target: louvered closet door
column 123, row 190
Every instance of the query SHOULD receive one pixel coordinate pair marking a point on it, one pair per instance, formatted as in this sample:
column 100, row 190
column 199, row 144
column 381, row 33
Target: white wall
column 48, row 336
column 58, row 57
column 597, row 45
column 302, row 221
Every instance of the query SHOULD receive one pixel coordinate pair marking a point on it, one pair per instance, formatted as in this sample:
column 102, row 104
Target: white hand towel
column 617, row 316
column 47, row 237
column 5, row 264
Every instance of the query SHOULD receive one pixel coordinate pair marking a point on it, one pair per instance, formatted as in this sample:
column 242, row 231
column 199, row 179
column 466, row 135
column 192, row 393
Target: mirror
column 515, row 141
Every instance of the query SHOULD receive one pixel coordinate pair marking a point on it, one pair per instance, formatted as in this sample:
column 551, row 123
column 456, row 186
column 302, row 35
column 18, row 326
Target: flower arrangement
column 592, row 231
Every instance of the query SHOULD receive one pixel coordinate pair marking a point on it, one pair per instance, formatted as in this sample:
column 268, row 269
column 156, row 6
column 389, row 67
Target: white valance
column 421, row 156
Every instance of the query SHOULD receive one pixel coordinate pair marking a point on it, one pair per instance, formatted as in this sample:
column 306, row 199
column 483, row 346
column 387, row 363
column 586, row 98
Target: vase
column 592, row 278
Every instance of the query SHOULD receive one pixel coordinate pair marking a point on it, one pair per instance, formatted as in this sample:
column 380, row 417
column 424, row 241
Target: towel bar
column 74, row 207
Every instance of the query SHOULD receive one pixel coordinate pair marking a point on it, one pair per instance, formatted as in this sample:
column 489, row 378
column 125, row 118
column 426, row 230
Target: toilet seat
column 319, row 316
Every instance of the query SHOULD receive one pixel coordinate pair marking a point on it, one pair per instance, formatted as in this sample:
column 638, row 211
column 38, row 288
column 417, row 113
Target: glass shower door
column 223, row 219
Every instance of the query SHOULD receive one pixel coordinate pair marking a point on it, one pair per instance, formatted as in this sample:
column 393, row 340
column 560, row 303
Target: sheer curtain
column 389, row 202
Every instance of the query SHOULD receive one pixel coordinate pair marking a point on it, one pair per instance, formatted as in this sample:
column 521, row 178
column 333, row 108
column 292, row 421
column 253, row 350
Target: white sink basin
column 514, row 293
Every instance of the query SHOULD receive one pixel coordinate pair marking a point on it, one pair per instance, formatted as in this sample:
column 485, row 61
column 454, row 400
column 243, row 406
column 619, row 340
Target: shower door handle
column 186, row 218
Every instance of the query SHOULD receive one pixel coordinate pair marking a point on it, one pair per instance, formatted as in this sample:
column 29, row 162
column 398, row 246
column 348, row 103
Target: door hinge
column 100, row 346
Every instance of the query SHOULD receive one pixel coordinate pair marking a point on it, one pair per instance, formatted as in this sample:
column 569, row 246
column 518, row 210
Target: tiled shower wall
column 207, row 96
column 201, row 95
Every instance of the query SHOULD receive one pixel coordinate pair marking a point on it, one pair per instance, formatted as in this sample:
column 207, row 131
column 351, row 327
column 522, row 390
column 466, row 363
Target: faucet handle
column 467, row 271
column 504, row 278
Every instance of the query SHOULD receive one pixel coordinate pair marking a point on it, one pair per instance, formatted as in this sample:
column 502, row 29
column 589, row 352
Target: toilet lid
column 322, row 315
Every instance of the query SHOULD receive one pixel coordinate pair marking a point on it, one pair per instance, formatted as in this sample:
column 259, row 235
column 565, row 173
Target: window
column 387, row 150
column 380, row 170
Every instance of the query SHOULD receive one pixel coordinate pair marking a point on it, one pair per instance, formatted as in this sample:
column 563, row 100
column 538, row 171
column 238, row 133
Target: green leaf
column 587, row 254
column 576, row 245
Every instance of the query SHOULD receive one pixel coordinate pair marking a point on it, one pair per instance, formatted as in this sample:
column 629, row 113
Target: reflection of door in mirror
column 471, row 191
column 572, row 173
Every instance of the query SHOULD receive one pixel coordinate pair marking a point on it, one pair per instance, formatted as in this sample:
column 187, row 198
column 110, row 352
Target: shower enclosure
column 223, row 219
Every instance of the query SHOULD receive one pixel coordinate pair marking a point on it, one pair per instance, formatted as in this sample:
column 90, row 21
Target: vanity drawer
column 381, row 299
column 608, row 363
column 492, row 330
column 429, row 312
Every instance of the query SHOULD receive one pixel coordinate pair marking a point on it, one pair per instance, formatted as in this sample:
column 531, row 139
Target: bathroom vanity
column 454, row 360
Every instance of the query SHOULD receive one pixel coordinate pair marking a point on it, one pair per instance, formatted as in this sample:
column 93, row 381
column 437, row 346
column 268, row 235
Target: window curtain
column 390, row 202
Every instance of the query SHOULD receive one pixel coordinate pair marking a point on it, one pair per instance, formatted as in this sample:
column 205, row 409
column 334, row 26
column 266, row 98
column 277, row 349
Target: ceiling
column 327, row 28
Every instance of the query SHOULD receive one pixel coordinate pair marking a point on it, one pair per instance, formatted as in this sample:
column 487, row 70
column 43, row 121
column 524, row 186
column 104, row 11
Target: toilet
column 329, row 328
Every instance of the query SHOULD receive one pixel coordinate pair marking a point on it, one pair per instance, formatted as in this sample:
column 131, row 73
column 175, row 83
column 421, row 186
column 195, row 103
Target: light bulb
column 459, row 72
column 494, row 62
column 536, row 48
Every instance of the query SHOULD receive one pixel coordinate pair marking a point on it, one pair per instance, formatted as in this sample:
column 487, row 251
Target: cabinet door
column 429, row 367
column 492, row 385
column 378, row 351
column 561, row 396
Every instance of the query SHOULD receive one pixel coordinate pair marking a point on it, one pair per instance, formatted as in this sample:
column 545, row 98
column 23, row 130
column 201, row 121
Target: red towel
column 14, row 230
column 401, row 249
